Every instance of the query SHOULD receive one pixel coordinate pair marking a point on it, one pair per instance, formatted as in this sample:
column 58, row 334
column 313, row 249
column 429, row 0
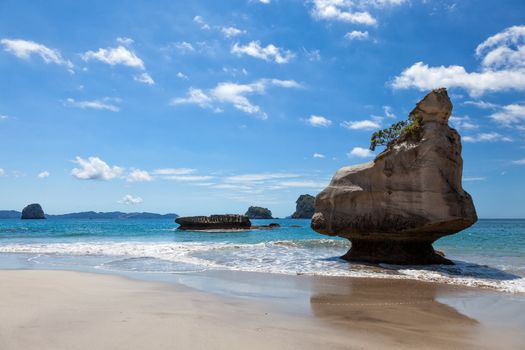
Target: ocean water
column 490, row 254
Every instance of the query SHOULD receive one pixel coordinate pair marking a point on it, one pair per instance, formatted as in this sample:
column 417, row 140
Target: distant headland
column 88, row 215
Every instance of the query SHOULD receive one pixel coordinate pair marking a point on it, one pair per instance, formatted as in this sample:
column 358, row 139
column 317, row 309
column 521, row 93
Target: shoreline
column 261, row 310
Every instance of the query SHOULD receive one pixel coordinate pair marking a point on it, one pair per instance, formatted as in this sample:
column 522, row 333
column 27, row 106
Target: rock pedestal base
column 394, row 252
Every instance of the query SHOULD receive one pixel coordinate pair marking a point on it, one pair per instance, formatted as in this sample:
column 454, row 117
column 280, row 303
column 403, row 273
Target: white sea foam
column 308, row 257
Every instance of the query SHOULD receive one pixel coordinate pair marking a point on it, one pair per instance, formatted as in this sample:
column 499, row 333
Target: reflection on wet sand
column 407, row 313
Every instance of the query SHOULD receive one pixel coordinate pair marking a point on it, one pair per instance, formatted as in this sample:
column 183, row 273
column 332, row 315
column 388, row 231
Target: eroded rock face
column 214, row 222
column 393, row 208
column 33, row 211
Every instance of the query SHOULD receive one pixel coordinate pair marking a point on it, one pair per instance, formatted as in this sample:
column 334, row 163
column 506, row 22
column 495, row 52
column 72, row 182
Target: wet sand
column 224, row 310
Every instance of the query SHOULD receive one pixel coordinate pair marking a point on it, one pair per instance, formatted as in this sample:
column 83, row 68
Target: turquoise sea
column 490, row 254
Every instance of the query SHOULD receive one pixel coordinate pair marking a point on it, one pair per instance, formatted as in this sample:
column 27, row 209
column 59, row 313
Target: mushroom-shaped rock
column 394, row 208
column 33, row 211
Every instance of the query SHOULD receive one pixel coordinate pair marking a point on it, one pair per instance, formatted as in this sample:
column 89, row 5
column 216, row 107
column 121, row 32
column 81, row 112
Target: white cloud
column 138, row 175
column 234, row 94
column 356, row 35
column 4, row 117
column 188, row 178
column 481, row 104
column 341, row 10
column 130, row 200
column 505, row 49
column 388, row 112
column 368, row 124
column 174, row 171
column 486, row 137
column 2, row 172
column 461, row 123
column 113, row 56
column 478, row 178
column 231, row 32
column 182, row 76
column 302, row 184
column 184, row 46
column 194, row 96
column 25, row 48
column 318, row 120
column 268, row 53
column 286, row 83
column 319, row 155
column 360, row 152
column 502, row 68
column 519, row 162
column 94, row 168
column 258, row 177
column 312, row 55
column 200, row 20
column 43, row 174
column 266, row 2
column 106, row 103
column 144, row 78
column 125, row 41
column 509, row 115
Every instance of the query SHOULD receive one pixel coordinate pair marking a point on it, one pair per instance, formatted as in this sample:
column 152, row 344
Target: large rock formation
column 394, row 208
column 33, row 211
column 305, row 207
column 214, row 222
column 258, row 213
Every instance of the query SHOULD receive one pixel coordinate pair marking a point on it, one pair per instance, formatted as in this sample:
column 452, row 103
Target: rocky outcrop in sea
column 305, row 207
column 258, row 213
column 33, row 211
column 393, row 208
column 214, row 222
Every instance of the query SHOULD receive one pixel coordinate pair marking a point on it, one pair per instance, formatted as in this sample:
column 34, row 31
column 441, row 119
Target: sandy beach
column 77, row 310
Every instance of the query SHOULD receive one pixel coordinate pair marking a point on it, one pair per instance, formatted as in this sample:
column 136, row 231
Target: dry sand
column 75, row 310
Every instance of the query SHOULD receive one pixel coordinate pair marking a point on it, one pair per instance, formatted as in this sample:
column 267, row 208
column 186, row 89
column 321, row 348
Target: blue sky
column 211, row 106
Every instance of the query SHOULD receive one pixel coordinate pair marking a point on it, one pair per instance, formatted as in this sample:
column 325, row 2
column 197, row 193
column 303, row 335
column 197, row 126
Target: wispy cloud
column 113, row 56
column 174, row 171
column 130, row 200
column 475, row 178
column 188, row 178
column 509, row 115
column 267, row 53
column 319, row 155
column 200, row 21
column 356, row 35
column 486, row 137
column 368, row 124
column 137, row 175
column 259, row 177
column 107, row 103
column 25, row 49
column 519, row 162
column 144, row 78
column 231, row 32
column 462, row 123
column 43, row 174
